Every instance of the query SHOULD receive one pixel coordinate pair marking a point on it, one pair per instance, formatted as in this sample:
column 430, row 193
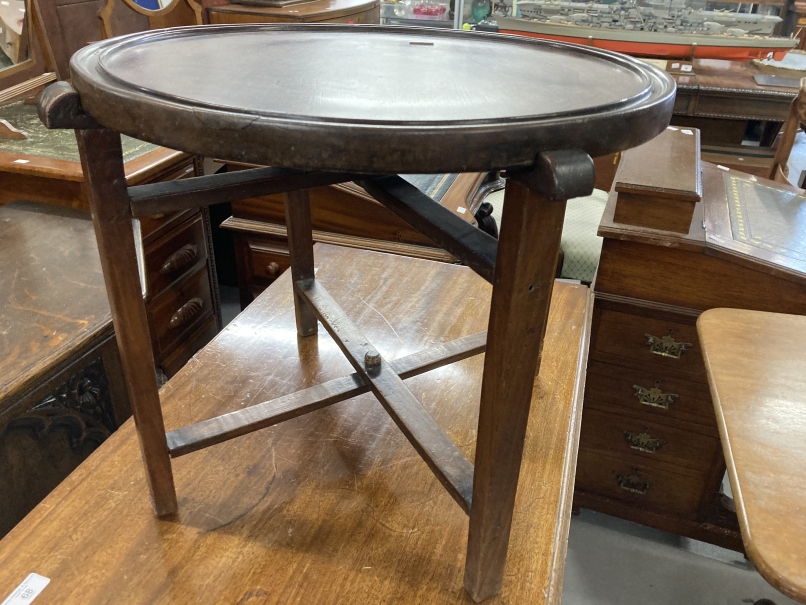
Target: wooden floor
column 333, row 507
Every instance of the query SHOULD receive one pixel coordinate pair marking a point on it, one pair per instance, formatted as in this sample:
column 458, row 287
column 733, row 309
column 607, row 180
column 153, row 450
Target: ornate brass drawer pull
column 666, row 346
column 654, row 397
column 186, row 312
column 643, row 442
column 184, row 257
column 633, row 482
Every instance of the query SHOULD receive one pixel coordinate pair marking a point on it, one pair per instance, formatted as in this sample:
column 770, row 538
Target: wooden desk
column 46, row 168
column 61, row 389
column 320, row 11
column 720, row 98
column 332, row 508
column 755, row 365
column 656, row 283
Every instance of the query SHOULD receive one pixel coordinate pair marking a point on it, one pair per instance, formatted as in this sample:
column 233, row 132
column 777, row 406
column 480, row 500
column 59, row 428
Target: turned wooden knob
column 272, row 269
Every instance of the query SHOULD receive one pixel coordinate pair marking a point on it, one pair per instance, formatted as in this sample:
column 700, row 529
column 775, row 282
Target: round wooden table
column 328, row 104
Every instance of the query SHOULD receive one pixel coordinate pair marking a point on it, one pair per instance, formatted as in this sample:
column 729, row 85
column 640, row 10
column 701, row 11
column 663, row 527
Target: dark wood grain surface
column 318, row 10
column 755, row 367
column 332, row 508
column 53, row 295
column 432, row 110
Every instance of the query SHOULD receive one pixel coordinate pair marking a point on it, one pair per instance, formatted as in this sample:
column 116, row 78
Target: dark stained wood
column 524, row 273
column 447, row 461
column 755, row 367
column 300, row 250
column 332, row 508
column 797, row 116
column 241, row 422
column 335, row 135
column 467, row 243
column 106, row 191
column 220, row 188
column 413, row 133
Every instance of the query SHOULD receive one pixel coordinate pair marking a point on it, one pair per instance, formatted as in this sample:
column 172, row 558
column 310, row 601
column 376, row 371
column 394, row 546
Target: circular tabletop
column 369, row 99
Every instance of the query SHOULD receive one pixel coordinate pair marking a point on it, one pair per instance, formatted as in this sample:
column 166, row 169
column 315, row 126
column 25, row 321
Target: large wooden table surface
column 332, row 507
column 756, row 365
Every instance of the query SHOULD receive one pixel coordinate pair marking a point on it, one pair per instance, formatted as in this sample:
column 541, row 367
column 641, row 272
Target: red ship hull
column 666, row 51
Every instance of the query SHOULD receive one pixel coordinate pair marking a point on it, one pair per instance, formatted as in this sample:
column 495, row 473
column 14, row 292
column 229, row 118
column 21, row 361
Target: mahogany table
column 755, row 363
column 340, row 103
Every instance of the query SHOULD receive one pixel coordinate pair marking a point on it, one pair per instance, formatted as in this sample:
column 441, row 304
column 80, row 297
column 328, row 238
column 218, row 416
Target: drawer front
column 625, row 435
column 179, row 310
column 266, row 262
column 172, row 256
column 668, row 347
column 154, row 227
column 177, row 358
column 630, row 479
column 650, row 394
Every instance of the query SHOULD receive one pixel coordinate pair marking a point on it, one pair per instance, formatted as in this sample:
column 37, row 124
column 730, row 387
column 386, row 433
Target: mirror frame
column 33, row 66
column 105, row 13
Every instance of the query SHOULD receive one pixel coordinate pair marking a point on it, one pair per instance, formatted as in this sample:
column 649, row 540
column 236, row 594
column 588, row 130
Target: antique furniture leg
column 528, row 247
column 300, row 248
column 102, row 161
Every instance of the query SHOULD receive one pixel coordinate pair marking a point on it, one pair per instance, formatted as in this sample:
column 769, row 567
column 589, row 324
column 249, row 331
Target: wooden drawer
column 154, row 227
column 649, row 394
column 266, row 261
column 174, row 255
column 648, row 440
column 631, row 479
column 177, row 358
column 179, row 310
column 624, row 339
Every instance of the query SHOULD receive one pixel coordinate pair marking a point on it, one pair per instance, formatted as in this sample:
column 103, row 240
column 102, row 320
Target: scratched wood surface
column 332, row 507
column 53, row 296
column 755, row 367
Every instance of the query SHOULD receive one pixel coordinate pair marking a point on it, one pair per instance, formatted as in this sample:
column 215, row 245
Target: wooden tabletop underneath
column 757, row 369
column 332, row 507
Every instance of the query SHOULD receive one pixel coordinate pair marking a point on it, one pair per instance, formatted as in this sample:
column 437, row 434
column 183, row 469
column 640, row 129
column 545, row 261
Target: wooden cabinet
column 344, row 215
column 649, row 446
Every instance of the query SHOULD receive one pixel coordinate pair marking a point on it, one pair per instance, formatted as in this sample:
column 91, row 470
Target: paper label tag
column 686, row 68
column 687, row 131
column 721, row 167
column 461, row 209
column 21, row 161
column 28, row 590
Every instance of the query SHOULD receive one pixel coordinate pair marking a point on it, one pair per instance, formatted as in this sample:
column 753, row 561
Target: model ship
column 664, row 29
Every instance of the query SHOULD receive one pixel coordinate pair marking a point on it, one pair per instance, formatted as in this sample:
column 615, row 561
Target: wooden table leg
column 102, row 162
column 528, row 248
column 300, row 246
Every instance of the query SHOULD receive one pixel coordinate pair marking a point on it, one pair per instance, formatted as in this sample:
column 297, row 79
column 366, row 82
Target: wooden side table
column 364, row 112
column 755, row 363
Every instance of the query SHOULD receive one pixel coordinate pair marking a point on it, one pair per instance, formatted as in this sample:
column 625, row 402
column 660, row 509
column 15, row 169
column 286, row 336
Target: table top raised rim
column 367, row 145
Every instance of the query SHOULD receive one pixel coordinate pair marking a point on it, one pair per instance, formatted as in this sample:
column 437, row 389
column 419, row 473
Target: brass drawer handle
column 184, row 257
column 643, row 442
column 186, row 312
column 272, row 269
column 633, row 483
column 654, row 397
column 666, row 346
